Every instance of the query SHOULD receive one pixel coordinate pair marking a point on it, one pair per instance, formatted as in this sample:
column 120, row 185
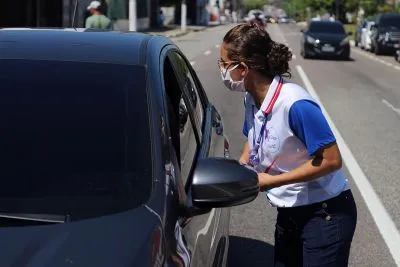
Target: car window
column 189, row 85
column 75, row 138
column 187, row 138
column 180, row 114
column 391, row 21
column 322, row 27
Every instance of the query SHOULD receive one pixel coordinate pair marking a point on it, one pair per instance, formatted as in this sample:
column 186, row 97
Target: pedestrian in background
column 97, row 20
column 294, row 151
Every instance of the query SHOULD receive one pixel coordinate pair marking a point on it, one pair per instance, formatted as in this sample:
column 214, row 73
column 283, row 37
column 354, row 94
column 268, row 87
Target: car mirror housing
column 221, row 182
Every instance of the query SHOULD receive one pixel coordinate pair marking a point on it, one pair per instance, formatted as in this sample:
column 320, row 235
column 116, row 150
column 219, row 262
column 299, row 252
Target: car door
column 203, row 233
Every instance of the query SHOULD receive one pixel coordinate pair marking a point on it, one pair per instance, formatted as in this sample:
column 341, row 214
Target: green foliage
column 297, row 8
column 254, row 4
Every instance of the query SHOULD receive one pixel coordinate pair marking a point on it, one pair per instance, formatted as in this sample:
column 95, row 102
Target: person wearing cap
column 97, row 20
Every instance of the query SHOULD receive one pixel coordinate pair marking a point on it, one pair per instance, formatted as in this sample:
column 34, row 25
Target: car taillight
column 227, row 153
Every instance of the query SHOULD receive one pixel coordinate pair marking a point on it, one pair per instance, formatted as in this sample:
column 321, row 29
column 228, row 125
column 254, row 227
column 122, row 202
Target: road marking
column 207, row 52
column 387, row 103
column 365, row 54
column 382, row 219
column 217, row 46
column 192, row 63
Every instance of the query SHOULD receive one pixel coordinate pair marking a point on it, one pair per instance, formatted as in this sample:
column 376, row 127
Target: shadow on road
column 249, row 252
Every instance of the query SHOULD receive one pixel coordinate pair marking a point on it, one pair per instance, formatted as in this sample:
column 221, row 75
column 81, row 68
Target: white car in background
column 366, row 36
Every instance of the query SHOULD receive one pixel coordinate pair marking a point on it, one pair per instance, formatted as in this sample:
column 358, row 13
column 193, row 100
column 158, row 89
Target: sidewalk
column 171, row 31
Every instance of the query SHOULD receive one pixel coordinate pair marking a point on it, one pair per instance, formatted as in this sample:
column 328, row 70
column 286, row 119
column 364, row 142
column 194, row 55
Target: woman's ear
column 244, row 69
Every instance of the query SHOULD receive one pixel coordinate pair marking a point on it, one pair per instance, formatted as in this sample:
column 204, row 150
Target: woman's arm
column 244, row 158
column 325, row 161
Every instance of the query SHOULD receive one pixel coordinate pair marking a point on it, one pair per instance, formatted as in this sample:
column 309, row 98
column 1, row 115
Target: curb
column 180, row 33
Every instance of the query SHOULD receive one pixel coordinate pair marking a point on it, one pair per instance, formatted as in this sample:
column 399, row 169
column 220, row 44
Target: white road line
column 192, row 63
column 387, row 103
column 381, row 217
column 365, row 54
column 207, row 52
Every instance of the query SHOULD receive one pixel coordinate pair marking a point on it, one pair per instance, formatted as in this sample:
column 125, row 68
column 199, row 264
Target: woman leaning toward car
column 293, row 150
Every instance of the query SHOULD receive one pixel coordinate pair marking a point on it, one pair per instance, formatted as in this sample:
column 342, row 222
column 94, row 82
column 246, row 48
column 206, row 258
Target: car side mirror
column 221, row 182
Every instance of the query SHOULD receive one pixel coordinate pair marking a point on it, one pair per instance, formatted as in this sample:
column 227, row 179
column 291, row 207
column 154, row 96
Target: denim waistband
column 318, row 205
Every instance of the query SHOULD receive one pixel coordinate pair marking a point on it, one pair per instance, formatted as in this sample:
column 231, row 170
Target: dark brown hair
column 252, row 45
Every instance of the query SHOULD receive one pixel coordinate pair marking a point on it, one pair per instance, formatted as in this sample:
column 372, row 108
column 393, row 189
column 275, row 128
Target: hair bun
column 278, row 57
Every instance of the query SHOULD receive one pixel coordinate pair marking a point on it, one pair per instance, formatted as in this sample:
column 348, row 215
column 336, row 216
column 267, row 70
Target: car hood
column 328, row 37
column 124, row 239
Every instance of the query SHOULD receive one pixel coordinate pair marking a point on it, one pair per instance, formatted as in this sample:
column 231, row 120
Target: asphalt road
column 362, row 98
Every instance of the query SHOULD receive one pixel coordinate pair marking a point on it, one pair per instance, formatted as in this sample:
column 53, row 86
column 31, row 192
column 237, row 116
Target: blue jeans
column 316, row 235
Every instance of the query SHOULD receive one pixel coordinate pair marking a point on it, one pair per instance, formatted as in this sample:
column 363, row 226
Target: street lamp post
column 183, row 15
column 337, row 9
column 132, row 15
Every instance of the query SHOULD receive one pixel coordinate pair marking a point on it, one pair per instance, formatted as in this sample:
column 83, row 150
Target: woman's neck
column 260, row 87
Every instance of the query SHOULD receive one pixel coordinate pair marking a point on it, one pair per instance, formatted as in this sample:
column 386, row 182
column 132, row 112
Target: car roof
column 325, row 22
column 60, row 44
column 390, row 14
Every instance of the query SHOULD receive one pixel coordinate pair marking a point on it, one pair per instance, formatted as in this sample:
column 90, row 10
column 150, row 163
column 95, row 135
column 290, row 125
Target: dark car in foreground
column 386, row 33
column 325, row 39
column 111, row 154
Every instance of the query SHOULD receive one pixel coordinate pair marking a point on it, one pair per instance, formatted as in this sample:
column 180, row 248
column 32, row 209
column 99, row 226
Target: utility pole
column 337, row 9
column 132, row 15
column 183, row 15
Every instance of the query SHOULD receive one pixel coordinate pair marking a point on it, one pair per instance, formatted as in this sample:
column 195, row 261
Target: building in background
column 59, row 13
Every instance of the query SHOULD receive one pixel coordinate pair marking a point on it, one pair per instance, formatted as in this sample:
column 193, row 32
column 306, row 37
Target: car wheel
column 305, row 55
column 345, row 56
column 377, row 50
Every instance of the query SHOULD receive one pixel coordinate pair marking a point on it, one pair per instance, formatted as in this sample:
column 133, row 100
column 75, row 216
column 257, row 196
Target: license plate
column 328, row 49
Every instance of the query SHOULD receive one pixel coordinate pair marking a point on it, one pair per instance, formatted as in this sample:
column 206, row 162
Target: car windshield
column 392, row 21
column 74, row 138
column 326, row 27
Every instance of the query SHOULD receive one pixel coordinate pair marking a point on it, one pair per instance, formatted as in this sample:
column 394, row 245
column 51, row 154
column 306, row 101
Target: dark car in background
column 258, row 18
column 397, row 53
column 386, row 33
column 325, row 39
column 111, row 154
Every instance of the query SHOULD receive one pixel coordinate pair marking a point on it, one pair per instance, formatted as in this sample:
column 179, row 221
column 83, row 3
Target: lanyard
column 256, row 144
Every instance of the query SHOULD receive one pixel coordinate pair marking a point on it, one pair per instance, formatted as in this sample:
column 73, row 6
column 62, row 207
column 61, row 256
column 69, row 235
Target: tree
column 254, row 4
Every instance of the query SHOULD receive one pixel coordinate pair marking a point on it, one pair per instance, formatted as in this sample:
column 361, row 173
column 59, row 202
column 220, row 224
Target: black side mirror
column 220, row 182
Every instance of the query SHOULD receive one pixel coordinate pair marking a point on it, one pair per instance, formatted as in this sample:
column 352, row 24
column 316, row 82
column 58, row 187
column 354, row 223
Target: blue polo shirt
column 309, row 124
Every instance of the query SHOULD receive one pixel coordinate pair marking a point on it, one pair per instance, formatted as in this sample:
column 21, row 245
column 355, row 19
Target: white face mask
column 232, row 85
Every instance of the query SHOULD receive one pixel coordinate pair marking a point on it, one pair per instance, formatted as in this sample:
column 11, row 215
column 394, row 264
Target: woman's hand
column 244, row 158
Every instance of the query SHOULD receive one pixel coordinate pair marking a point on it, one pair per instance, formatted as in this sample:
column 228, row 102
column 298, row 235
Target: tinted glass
column 187, row 140
column 190, row 87
column 391, row 21
column 323, row 27
column 74, row 139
